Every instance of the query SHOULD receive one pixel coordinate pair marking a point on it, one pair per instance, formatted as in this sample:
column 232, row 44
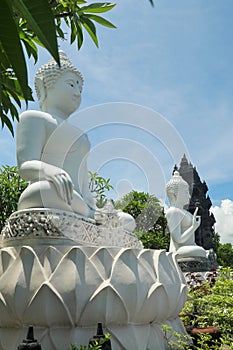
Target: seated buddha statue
column 182, row 224
column 52, row 153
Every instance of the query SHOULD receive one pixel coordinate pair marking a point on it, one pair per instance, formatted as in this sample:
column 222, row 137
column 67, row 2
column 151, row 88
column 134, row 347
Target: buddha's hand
column 196, row 220
column 62, row 182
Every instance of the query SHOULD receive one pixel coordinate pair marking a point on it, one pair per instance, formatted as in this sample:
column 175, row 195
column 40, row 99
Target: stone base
column 57, row 225
column 194, row 264
column 64, row 291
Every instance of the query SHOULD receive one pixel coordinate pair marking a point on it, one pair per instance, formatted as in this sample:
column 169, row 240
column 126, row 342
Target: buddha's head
column 178, row 191
column 59, row 86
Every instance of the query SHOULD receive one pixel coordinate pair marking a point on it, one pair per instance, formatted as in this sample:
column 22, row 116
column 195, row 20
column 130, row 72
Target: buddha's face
column 65, row 95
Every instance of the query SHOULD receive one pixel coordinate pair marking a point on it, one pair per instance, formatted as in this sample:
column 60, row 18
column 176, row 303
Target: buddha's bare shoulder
column 174, row 212
column 35, row 115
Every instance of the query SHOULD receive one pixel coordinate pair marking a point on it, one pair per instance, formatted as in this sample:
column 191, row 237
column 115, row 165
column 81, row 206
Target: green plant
column 151, row 223
column 98, row 186
column 204, row 341
column 11, row 187
column 226, row 274
column 211, row 302
column 175, row 340
column 97, row 346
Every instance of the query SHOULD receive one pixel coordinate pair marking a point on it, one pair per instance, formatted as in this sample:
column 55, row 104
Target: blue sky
column 174, row 59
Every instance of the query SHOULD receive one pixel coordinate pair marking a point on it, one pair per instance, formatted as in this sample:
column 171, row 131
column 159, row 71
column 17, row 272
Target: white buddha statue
column 52, row 153
column 181, row 223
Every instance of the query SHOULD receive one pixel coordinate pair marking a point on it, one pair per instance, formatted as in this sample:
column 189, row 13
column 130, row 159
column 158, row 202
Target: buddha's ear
column 172, row 198
column 41, row 90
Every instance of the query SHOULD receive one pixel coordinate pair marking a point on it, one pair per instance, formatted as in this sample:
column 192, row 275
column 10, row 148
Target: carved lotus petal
column 103, row 260
column 65, row 291
column 48, row 309
column 50, row 258
column 20, row 283
column 168, row 275
column 6, row 314
column 182, row 292
column 154, row 309
column 176, row 324
column 105, row 305
column 76, row 278
column 135, row 338
column 131, row 281
column 9, row 339
column 180, row 301
column 6, row 258
column 147, row 259
column 60, row 340
column 156, row 338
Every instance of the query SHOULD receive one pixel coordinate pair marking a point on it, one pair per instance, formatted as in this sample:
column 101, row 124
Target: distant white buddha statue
column 182, row 224
column 52, row 153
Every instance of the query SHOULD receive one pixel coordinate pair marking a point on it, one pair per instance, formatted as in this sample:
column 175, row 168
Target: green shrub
column 213, row 302
column 97, row 346
column 151, row 223
column 11, row 187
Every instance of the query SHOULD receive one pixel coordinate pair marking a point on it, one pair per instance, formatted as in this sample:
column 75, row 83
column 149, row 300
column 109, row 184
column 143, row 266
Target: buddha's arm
column 174, row 218
column 31, row 138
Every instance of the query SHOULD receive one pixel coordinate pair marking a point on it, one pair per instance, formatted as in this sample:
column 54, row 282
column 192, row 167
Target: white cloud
column 224, row 220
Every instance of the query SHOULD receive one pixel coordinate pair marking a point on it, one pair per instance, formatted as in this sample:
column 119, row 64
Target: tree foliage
column 25, row 24
column 11, row 187
column 151, row 223
column 225, row 255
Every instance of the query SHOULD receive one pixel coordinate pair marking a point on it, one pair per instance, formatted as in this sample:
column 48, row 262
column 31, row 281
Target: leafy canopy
column 225, row 255
column 11, row 187
column 151, row 223
column 25, row 24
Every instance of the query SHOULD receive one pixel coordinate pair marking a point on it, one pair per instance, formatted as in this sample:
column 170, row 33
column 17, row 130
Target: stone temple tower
column 204, row 235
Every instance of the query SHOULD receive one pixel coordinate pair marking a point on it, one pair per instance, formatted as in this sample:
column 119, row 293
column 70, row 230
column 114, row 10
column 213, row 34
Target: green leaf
column 30, row 46
column 79, row 30
column 5, row 100
column 101, row 21
column 14, row 112
column 39, row 16
column 90, row 28
column 6, row 120
column 30, row 50
column 13, row 94
column 80, row 36
column 60, row 32
column 10, row 42
column 73, row 32
column 98, row 7
column 4, row 61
